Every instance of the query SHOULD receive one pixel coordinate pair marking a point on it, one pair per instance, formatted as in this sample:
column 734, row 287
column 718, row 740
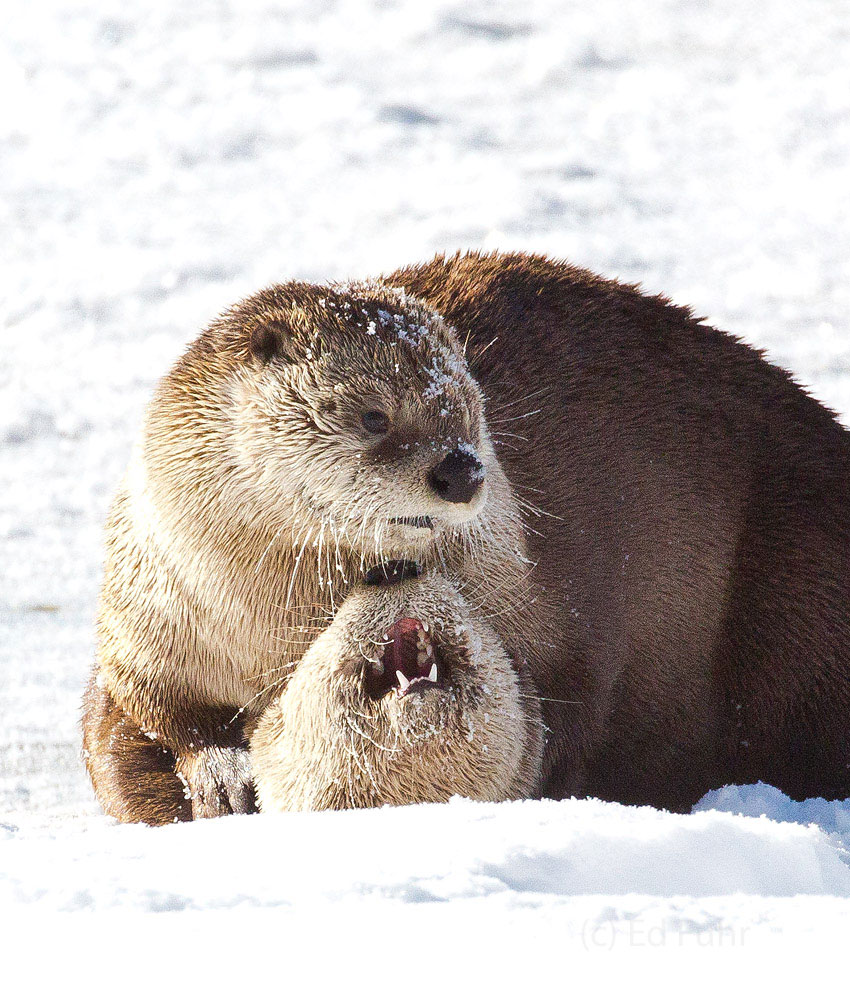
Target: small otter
column 403, row 698
column 310, row 432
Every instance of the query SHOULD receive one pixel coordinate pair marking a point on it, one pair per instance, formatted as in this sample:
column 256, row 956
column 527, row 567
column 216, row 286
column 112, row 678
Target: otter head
column 359, row 417
column 403, row 698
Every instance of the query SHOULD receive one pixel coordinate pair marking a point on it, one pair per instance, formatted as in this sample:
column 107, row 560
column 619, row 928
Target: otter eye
column 376, row 421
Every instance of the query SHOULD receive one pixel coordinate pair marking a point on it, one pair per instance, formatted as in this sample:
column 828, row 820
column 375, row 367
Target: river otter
column 405, row 697
column 691, row 550
column 310, row 432
column 683, row 616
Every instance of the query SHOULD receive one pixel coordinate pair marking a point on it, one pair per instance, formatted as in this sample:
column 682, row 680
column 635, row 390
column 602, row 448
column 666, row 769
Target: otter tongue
column 400, row 653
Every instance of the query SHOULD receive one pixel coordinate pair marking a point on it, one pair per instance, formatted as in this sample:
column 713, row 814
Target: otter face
column 402, row 699
column 358, row 410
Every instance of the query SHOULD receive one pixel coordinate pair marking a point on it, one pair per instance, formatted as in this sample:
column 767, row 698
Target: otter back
column 690, row 515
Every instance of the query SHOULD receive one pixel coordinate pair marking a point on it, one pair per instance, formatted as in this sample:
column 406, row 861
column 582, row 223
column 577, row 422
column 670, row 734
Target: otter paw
column 218, row 781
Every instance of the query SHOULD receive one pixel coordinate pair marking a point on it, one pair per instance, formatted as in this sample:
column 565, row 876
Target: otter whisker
column 479, row 353
column 513, row 402
column 293, row 641
column 508, row 420
column 560, row 701
column 355, row 757
column 369, row 738
column 259, row 694
column 294, row 608
column 295, row 570
column 534, row 509
column 519, row 594
column 506, row 612
column 275, row 537
column 363, row 715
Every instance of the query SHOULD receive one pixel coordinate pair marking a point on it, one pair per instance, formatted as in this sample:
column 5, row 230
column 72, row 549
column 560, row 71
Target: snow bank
column 519, row 853
column 421, row 899
column 765, row 800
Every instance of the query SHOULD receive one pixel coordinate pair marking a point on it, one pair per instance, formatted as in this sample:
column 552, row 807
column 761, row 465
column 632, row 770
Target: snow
column 513, row 853
column 159, row 161
column 607, row 878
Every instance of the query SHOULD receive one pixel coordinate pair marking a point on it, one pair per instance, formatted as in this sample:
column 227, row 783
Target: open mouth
column 406, row 662
column 414, row 522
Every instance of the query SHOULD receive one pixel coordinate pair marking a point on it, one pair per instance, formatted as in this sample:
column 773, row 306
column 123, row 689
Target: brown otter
column 403, row 698
column 692, row 549
column 307, row 434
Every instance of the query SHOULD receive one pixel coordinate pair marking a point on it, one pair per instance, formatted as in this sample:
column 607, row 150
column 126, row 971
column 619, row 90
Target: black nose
column 458, row 477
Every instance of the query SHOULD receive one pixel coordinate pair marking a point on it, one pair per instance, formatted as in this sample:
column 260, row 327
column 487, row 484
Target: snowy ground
column 158, row 160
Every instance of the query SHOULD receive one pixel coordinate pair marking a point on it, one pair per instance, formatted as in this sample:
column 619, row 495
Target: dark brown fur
column 694, row 556
column 135, row 774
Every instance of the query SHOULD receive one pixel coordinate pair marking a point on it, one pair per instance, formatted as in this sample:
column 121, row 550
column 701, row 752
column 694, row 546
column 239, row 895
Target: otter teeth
column 420, row 661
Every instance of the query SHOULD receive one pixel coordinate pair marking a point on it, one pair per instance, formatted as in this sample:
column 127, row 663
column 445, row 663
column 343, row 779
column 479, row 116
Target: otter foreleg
column 139, row 778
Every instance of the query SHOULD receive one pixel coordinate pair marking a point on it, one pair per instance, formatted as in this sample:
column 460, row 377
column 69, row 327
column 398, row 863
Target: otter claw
column 220, row 782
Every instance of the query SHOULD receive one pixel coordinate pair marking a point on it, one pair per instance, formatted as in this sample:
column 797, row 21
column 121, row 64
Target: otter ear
column 270, row 339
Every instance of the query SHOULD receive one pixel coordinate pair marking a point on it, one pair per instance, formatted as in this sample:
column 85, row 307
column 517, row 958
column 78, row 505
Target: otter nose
column 458, row 477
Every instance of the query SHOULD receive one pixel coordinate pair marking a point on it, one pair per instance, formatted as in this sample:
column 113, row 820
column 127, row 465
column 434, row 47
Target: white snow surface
column 160, row 160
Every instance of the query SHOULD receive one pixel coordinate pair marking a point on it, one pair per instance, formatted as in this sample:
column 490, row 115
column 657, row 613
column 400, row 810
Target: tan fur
column 254, row 501
column 325, row 744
